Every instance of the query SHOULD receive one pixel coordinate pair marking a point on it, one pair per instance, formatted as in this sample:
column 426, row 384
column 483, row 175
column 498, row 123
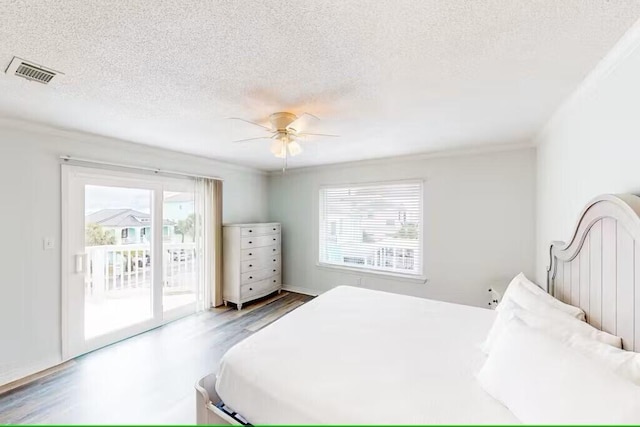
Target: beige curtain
column 216, row 283
column 209, row 241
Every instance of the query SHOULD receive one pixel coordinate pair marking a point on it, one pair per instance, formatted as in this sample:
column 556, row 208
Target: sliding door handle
column 81, row 262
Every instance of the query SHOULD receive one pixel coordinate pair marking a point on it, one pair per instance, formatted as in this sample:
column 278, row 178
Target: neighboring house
column 179, row 206
column 129, row 226
column 389, row 236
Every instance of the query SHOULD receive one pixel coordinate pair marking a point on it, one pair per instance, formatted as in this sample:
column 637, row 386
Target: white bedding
column 359, row 356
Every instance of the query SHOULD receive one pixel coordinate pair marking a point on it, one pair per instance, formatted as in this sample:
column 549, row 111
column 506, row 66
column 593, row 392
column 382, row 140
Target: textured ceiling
column 391, row 77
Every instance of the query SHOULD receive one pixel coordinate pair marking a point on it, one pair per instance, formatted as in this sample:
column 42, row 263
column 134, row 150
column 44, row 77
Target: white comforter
column 359, row 356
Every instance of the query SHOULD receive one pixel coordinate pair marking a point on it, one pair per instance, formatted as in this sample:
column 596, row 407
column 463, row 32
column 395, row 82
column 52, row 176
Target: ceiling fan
column 286, row 131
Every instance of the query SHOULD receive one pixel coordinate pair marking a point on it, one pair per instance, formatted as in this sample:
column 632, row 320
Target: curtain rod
column 79, row 160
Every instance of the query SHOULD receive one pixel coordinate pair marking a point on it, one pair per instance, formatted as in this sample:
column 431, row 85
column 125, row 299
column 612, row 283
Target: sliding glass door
column 129, row 255
column 180, row 263
column 117, row 251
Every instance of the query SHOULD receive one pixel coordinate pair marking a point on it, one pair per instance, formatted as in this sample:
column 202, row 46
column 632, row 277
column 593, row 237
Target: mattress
column 356, row 356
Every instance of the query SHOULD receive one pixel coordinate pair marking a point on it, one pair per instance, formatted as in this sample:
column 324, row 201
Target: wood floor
column 147, row 379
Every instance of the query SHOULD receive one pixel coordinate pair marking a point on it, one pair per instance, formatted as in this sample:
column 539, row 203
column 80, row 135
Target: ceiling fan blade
column 250, row 122
column 302, row 122
column 252, row 139
column 317, row 134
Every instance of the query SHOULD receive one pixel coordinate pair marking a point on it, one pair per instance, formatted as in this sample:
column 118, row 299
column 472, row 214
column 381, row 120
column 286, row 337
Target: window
column 380, row 227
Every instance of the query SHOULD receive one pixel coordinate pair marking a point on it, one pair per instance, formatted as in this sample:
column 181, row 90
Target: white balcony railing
column 121, row 267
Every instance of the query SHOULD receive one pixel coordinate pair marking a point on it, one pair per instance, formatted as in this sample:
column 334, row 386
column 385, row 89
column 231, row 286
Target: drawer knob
column 250, row 265
column 274, row 240
column 250, row 242
column 274, row 281
column 250, row 289
column 274, row 271
column 274, row 229
column 274, row 249
column 250, row 231
column 250, row 254
column 274, row 260
column 250, row 277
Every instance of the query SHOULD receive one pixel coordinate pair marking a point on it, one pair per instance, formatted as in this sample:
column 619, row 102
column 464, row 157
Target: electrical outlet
column 48, row 243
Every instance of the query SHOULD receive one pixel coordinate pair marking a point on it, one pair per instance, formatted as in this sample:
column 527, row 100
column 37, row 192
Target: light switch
column 49, row 243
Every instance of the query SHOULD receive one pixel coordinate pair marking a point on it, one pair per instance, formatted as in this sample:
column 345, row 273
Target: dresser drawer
column 261, row 287
column 259, row 241
column 260, row 263
column 256, row 276
column 264, row 252
column 260, row 230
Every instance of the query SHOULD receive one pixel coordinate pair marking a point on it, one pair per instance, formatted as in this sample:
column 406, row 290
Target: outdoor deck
column 118, row 284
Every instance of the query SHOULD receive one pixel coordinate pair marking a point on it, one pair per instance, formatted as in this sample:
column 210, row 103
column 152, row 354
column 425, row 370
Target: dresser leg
column 239, row 306
column 225, row 303
column 279, row 291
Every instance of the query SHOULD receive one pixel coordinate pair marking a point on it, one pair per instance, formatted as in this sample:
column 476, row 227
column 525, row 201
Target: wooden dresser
column 251, row 261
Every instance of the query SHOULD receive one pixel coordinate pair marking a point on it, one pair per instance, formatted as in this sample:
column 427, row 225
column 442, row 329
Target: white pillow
column 622, row 362
column 543, row 381
column 531, row 297
column 557, row 323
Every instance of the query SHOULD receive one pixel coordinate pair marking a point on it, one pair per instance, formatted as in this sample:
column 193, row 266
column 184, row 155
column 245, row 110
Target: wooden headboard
column 599, row 269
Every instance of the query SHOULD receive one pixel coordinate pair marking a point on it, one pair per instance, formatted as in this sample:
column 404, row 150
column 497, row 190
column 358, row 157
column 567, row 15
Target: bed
column 387, row 358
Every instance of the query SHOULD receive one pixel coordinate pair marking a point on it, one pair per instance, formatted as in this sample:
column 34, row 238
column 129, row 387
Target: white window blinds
column 373, row 227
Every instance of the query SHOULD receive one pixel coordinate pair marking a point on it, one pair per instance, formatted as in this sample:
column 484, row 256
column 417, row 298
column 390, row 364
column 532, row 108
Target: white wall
column 590, row 147
column 30, row 194
column 479, row 219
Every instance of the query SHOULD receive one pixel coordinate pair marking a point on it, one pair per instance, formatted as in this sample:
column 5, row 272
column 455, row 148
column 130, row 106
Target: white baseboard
column 26, row 371
column 301, row 290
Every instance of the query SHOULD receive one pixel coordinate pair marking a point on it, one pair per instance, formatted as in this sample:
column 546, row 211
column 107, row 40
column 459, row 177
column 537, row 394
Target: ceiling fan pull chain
column 284, row 161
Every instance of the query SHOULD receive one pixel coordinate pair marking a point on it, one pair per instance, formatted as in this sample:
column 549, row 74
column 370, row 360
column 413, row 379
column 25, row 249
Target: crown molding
column 460, row 152
column 12, row 123
column 629, row 42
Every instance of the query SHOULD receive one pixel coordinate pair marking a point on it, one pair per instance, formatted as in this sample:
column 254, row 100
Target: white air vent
column 31, row 71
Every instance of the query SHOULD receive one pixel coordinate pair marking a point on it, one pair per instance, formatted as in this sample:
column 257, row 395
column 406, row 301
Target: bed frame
column 599, row 269
column 206, row 399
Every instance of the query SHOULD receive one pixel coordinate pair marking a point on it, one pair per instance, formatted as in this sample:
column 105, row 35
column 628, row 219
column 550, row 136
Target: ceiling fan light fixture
column 278, row 148
column 294, row 148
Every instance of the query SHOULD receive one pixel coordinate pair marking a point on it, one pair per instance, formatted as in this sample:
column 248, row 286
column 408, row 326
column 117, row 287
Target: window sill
column 377, row 274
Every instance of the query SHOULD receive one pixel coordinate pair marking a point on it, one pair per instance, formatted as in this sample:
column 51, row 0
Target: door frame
column 72, row 345
column 181, row 185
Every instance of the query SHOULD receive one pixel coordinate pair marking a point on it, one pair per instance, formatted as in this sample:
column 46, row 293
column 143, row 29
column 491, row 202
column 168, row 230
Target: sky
column 98, row 197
